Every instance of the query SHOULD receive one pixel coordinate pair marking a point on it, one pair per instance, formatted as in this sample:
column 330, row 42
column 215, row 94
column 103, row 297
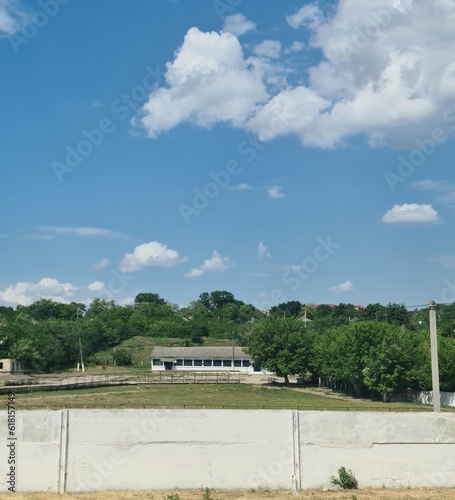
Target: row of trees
column 46, row 333
column 363, row 358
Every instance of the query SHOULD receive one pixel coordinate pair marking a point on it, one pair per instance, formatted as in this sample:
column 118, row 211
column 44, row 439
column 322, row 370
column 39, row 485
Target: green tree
column 281, row 346
column 149, row 298
column 291, row 309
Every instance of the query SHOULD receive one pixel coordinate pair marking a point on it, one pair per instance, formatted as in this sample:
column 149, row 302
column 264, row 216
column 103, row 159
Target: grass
column 260, row 494
column 227, row 396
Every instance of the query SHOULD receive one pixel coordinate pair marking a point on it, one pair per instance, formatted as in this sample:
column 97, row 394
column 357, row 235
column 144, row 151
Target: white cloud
column 291, row 111
column 217, row 264
column 268, row 48
column 103, row 263
column 386, row 72
column 152, row 254
column 96, row 286
column 25, row 293
column 48, row 232
column 243, row 186
column 309, row 14
column 346, row 286
column 410, row 213
column 12, row 17
column 263, row 251
column 275, row 192
column 295, row 47
column 209, row 81
column 238, row 25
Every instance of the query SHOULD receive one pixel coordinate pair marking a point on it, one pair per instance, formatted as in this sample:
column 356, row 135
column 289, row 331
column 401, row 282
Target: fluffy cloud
column 25, row 293
column 268, row 48
column 217, row 264
column 263, row 251
column 309, row 14
column 209, row 81
column 238, row 25
column 101, row 264
column 410, row 213
column 152, row 254
column 275, row 192
column 346, row 286
column 386, row 72
column 96, row 286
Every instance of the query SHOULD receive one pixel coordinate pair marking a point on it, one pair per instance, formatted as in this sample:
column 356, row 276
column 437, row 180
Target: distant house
column 202, row 359
column 11, row 366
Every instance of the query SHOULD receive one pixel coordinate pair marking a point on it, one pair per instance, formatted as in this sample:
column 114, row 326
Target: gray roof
column 199, row 352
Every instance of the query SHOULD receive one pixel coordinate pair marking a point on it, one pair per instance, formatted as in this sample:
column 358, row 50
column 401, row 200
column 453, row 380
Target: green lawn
column 201, row 395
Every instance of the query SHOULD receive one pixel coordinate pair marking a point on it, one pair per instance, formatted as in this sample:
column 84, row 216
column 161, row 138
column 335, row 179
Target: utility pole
column 80, row 361
column 434, row 358
column 233, row 352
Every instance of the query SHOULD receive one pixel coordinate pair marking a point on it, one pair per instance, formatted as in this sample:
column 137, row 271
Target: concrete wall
column 88, row 450
column 426, row 397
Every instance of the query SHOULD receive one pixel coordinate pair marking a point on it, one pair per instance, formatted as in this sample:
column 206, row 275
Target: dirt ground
column 367, row 494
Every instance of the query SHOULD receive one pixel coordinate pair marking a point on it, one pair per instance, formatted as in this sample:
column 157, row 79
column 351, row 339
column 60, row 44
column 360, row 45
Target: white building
column 202, row 359
column 11, row 366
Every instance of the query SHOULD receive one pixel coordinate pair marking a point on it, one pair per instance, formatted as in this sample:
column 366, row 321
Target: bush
column 345, row 479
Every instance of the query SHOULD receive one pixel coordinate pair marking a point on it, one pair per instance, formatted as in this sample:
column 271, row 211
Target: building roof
column 199, row 352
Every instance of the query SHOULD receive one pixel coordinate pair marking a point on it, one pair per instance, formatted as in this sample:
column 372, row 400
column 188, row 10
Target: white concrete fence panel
column 95, row 450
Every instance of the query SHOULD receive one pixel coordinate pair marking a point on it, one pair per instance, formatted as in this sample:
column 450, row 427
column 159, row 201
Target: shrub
column 345, row 479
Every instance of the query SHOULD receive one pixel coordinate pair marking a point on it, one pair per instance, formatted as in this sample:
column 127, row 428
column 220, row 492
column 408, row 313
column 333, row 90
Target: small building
column 11, row 366
column 203, row 359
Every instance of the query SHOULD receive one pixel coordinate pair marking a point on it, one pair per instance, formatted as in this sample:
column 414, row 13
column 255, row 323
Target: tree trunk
column 286, row 380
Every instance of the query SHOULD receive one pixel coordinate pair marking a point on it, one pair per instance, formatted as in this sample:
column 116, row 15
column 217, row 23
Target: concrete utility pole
column 80, row 361
column 434, row 358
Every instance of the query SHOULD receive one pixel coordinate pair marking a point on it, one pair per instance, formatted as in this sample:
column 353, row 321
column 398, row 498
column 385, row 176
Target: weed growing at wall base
column 345, row 479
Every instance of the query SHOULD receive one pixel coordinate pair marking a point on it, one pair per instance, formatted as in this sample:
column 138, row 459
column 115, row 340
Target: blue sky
column 278, row 150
